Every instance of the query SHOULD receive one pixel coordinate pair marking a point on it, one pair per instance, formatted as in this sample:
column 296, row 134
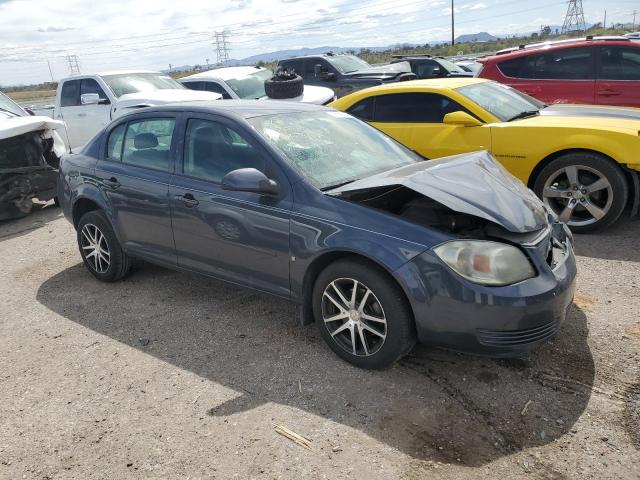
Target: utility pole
column 74, row 64
column 170, row 66
column 207, row 63
column 574, row 20
column 604, row 24
column 222, row 47
column 50, row 71
column 633, row 25
column 453, row 35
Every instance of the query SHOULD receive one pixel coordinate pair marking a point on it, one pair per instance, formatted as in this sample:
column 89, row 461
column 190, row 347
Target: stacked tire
column 284, row 84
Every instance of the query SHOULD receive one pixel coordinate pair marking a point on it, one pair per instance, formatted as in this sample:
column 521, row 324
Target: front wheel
column 100, row 250
column 362, row 314
column 587, row 191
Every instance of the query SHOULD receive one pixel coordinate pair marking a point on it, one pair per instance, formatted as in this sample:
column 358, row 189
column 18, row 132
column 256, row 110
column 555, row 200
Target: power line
column 222, row 48
column 74, row 64
column 574, row 19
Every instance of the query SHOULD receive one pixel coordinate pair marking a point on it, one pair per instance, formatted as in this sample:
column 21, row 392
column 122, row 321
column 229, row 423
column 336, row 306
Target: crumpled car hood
column 160, row 97
column 473, row 183
column 14, row 126
column 390, row 70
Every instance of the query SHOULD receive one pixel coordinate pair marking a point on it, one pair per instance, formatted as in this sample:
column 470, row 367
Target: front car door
column 416, row 121
column 134, row 176
column 82, row 121
column 241, row 237
column 618, row 80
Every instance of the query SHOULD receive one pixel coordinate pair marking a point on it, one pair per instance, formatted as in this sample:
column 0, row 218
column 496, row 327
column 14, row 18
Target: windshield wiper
column 337, row 185
column 10, row 111
column 525, row 114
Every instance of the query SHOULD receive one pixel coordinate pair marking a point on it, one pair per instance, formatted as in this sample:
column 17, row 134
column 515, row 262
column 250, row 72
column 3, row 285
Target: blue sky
column 152, row 34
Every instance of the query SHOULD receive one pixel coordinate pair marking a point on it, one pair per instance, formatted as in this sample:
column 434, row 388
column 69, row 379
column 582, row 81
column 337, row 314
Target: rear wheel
column 586, row 190
column 100, row 250
column 362, row 314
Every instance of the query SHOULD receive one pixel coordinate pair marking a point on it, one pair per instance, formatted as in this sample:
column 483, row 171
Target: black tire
column 590, row 165
column 283, row 89
column 118, row 260
column 386, row 294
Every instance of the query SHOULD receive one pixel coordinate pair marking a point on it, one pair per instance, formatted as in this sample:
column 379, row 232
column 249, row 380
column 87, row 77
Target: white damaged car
column 30, row 151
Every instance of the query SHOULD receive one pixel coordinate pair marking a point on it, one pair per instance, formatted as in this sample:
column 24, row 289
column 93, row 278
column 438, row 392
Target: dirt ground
column 168, row 375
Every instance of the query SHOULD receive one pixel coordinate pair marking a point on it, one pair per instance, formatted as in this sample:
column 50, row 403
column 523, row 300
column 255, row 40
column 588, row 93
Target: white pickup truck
column 86, row 103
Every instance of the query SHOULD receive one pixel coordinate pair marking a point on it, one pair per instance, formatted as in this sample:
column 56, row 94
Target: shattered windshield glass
column 332, row 148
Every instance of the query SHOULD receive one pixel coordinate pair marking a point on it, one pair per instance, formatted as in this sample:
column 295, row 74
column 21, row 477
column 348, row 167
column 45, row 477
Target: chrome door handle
column 608, row 93
column 82, row 114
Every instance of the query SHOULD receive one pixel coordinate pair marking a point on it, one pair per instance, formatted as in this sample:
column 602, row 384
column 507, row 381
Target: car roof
column 524, row 50
column 241, row 109
column 225, row 73
column 445, row 83
column 323, row 55
column 110, row 72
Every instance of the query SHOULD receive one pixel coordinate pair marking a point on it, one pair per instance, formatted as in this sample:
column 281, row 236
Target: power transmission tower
column 574, row 20
column 222, row 48
column 74, row 64
column 633, row 27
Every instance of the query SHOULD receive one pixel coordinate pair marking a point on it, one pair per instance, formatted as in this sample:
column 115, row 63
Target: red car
column 592, row 70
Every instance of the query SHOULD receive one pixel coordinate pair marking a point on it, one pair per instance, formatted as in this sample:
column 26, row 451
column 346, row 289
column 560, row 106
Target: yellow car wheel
column 586, row 190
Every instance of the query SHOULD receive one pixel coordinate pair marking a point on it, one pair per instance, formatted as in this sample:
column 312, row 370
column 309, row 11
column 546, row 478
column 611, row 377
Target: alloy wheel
column 354, row 316
column 95, row 248
column 578, row 194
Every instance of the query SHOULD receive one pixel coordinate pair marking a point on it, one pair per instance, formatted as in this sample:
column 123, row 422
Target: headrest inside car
column 145, row 140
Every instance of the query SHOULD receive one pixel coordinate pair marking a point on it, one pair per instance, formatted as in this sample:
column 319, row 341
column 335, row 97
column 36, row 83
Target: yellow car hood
column 626, row 120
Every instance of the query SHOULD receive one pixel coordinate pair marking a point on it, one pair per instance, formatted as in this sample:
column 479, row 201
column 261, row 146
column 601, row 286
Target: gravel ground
column 168, row 375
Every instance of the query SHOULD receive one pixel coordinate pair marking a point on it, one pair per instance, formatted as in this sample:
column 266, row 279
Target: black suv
column 345, row 73
column 426, row 66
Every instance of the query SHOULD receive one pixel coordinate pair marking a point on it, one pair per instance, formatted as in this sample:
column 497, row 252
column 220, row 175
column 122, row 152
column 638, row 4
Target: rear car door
column 618, row 80
column 416, row 121
column 83, row 121
column 134, row 176
column 241, row 237
column 565, row 75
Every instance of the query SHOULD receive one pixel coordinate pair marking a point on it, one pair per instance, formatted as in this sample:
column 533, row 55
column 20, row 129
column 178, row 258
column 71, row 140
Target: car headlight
column 486, row 263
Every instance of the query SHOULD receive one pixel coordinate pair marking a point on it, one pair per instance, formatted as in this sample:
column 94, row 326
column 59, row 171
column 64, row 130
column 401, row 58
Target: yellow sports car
column 582, row 160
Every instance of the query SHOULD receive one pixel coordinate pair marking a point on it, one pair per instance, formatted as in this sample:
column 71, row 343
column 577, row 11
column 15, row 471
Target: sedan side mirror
column 461, row 119
column 249, row 180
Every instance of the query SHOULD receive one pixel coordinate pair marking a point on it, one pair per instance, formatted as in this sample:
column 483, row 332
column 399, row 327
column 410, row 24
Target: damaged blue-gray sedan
column 378, row 246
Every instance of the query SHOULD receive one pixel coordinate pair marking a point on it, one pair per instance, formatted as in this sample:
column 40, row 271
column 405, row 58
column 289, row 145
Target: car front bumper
column 495, row 321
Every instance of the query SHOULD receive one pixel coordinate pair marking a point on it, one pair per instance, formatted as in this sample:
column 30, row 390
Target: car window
column 194, row 85
column 147, row 143
column 413, row 108
column 115, row 142
column 89, row 85
column 297, row 65
column 363, row 109
column 211, row 150
column 215, row 87
column 564, row 64
column 70, row 94
column 619, row 63
column 426, row 69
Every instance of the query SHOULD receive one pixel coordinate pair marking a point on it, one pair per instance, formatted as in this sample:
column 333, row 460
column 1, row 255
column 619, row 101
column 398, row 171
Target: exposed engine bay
column 28, row 170
column 417, row 208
